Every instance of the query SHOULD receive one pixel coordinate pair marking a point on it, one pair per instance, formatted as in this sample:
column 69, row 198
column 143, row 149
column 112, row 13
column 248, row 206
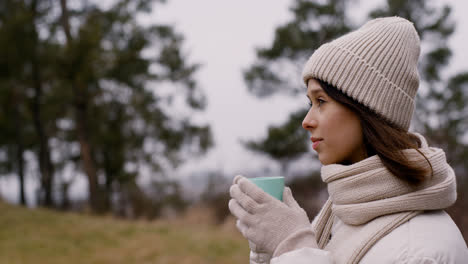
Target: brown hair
column 376, row 133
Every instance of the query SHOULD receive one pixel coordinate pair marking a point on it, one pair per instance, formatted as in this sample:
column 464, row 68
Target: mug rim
column 268, row 178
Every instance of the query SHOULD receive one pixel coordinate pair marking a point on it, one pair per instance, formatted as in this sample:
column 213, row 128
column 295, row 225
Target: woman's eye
column 320, row 101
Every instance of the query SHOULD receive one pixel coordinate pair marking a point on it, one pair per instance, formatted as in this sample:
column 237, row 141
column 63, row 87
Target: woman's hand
column 266, row 221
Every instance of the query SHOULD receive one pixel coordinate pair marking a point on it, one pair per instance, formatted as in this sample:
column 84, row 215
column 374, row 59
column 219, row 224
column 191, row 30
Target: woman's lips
column 316, row 143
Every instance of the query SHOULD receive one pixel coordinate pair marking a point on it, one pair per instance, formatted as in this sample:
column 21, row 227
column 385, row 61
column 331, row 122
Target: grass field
column 44, row 236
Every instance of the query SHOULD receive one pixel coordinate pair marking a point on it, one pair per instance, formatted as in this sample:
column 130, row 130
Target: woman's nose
column 309, row 121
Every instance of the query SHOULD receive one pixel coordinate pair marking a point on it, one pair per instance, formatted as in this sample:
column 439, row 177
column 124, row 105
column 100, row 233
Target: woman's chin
column 324, row 160
column 327, row 160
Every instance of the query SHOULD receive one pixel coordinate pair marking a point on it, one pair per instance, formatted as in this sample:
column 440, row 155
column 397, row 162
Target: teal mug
column 274, row 186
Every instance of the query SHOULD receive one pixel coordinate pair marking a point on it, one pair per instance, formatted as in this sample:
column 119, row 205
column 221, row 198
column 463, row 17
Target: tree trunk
column 86, row 153
column 80, row 105
column 19, row 147
column 21, row 171
column 45, row 164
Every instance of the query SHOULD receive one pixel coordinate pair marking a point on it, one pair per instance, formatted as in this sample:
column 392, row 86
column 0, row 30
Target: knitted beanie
column 375, row 65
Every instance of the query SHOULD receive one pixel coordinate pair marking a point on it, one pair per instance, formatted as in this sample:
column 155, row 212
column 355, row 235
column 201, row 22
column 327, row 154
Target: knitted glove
column 272, row 225
column 257, row 255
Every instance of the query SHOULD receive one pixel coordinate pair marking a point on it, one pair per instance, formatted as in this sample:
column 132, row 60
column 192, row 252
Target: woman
column 387, row 187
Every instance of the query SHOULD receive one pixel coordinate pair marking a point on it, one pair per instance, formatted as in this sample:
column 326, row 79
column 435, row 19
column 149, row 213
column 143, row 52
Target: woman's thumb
column 288, row 198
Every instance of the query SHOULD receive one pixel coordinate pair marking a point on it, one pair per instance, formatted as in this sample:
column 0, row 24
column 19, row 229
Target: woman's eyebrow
column 314, row 92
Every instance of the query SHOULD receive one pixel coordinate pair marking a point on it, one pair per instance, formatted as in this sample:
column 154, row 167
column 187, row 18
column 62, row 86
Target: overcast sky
column 222, row 36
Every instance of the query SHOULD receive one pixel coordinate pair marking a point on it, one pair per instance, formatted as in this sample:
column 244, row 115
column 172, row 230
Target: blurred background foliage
column 87, row 90
column 92, row 89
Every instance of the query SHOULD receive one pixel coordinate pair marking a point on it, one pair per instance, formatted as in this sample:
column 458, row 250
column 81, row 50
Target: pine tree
column 99, row 89
column 119, row 115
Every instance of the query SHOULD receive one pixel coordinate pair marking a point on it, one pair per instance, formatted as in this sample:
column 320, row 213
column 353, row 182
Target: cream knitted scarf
column 372, row 202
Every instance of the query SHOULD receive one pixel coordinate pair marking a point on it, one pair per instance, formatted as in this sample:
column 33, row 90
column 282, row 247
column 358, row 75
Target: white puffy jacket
column 428, row 238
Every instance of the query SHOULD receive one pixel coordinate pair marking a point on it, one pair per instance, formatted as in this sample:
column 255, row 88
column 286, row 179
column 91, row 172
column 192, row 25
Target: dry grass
column 44, row 236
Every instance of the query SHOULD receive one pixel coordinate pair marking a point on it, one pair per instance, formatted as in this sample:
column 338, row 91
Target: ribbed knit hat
column 376, row 65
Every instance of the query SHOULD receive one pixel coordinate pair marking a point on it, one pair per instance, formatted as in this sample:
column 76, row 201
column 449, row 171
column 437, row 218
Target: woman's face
column 338, row 127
